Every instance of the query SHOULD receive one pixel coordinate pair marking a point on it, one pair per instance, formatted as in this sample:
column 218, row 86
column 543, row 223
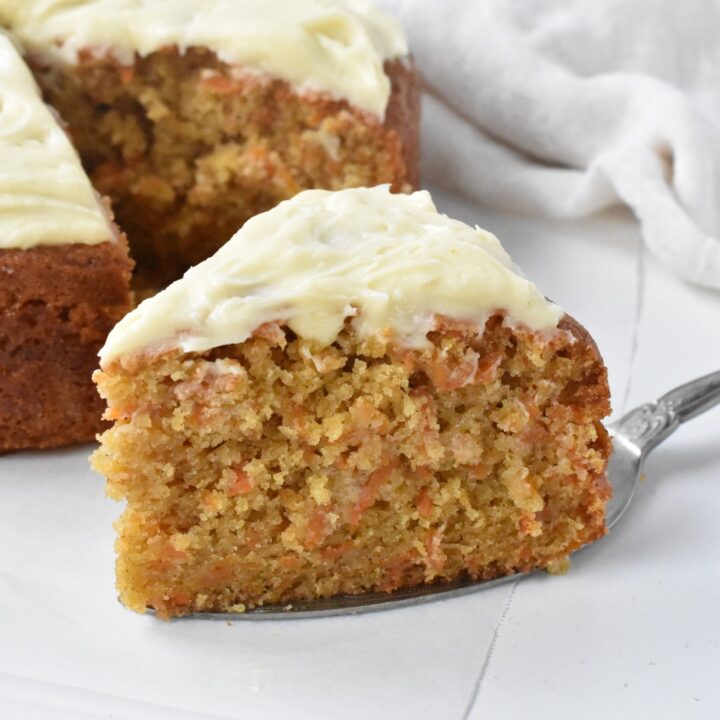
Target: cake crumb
column 370, row 476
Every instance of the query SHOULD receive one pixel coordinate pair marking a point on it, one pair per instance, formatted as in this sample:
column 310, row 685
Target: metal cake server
column 634, row 436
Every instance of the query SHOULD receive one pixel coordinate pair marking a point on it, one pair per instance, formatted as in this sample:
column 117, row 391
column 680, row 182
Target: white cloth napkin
column 565, row 107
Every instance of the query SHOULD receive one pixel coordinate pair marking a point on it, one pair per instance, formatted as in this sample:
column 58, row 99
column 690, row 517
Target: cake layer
column 57, row 304
column 333, row 46
column 391, row 262
column 45, row 196
column 278, row 469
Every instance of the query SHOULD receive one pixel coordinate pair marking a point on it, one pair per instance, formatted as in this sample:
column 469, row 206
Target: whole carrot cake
column 194, row 115
column 355, row 393
column 64, row 273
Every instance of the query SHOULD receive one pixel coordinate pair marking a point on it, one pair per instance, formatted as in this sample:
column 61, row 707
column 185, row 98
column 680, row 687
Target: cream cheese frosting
column 333, row 46
column 45, row 196
column 390, row 262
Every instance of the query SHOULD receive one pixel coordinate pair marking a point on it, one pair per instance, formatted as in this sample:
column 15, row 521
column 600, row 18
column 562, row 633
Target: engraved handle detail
column 648, row 425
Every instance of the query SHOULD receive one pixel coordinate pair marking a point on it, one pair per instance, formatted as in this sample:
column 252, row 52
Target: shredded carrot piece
column 368, row 494
column 452, row 375
column 178, row 599
column 396, row 568
column 126, row 75
column 241, row 485
column 425, row 504
column 487, row 367
column 433, row 545
column 221, row 84
column 119, row 412
column 316, row 528
column 289, row 560
column 167, row 551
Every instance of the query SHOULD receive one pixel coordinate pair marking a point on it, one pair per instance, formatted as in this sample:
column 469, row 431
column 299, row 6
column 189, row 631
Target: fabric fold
column 562, row 108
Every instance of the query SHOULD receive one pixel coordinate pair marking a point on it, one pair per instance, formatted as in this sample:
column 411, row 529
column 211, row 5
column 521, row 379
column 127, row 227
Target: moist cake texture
column 64, row 268
column 194, row 116
column 373, row 427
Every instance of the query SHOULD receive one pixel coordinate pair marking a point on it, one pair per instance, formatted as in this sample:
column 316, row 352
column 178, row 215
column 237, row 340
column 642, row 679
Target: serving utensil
column 634, row 437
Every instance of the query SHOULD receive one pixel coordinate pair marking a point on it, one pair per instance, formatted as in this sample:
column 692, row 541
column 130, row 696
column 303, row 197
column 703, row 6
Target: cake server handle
column 648, row 425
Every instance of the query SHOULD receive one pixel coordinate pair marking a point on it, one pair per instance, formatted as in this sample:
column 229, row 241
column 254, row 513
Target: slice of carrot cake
column 64, row 273
column 194, row 115
column 355, row 393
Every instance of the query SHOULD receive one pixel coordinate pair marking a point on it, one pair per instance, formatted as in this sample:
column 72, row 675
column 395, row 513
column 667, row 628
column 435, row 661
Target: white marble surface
column 632, row 631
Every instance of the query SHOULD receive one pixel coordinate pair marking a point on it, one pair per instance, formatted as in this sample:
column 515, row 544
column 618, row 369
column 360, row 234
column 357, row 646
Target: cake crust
column 57, row 305
column 188, row 147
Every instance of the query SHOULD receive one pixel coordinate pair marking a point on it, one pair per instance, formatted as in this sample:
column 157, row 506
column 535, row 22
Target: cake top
column 334, row 46
column 45, row 196
column 390, row 262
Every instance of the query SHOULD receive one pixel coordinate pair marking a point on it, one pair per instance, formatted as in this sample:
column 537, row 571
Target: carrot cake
column 194, row 115
column 355, row 393
column 64, row 269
